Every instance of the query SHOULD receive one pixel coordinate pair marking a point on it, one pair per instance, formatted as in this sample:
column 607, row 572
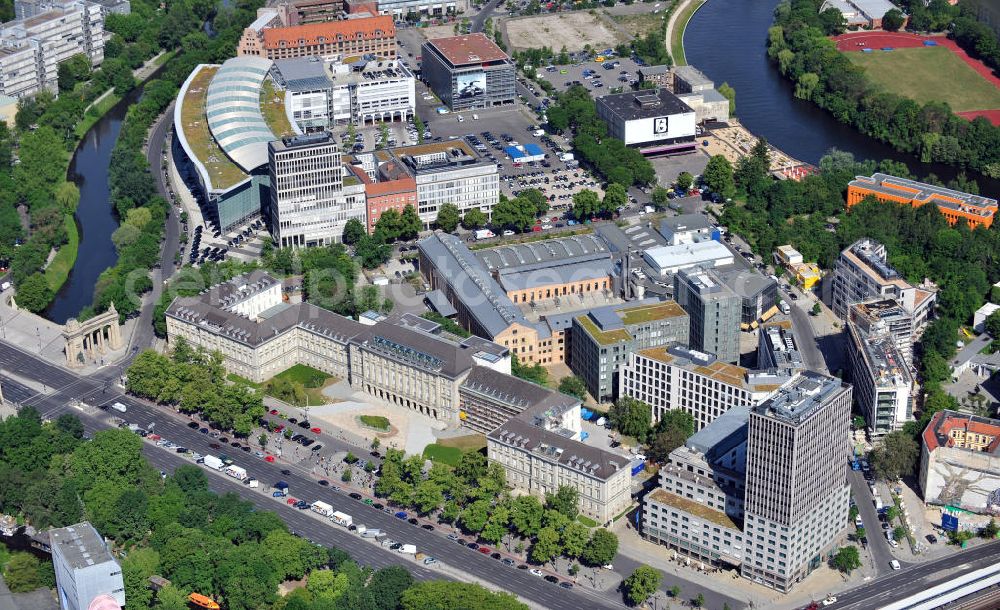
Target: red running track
column 856, row 41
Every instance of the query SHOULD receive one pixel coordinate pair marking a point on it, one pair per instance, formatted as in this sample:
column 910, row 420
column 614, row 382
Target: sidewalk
column 675, row 567
column 33, row 333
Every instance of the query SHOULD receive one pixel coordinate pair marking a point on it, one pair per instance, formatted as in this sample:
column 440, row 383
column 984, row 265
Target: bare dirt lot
column 438, row 31
column 574, row 30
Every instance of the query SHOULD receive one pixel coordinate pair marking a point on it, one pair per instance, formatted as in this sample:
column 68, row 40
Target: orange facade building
column 975, row 209
column 346, row 38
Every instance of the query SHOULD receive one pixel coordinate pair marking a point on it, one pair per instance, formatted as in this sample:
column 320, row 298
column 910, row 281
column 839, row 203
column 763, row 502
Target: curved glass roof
column 233, row 111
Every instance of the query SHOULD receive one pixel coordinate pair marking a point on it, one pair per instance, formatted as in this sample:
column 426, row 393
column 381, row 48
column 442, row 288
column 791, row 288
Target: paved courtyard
column 409, row 430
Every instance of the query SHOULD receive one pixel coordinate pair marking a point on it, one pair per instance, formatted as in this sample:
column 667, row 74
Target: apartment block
column 796, row 500
column 604, row 337
column 31, row 48
column 862, row 273
column 448, row 172
column 87, row 574
column 975, row 210
column 312, row 195
column 885, row 315
column 677, row 377
column 320, row 94
column 883, row 385
column 401, row 8
column 715, row 312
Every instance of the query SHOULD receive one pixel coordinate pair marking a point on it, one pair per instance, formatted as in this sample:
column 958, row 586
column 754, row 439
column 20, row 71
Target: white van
column 461, row 118
column 475, row 117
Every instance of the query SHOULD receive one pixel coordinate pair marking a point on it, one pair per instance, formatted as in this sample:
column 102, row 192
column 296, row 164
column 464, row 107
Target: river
column 95, row 217
column 727, row 40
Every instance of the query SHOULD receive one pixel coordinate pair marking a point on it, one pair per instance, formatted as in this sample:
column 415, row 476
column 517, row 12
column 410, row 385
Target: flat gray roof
column 560, row 249
column 469, row 281
column 729, row 428
column 643, row 104
column 439, row 302
column 685, row 222
column 302, row 73
column 692, row 76
column 798, row 400
column 556, row 272
column 80, row 545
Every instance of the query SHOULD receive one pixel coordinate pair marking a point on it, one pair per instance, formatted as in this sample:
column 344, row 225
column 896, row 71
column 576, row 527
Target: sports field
column 929, row 73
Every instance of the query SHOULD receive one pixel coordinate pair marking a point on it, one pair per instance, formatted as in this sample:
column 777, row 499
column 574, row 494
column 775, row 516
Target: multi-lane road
column 65, row 386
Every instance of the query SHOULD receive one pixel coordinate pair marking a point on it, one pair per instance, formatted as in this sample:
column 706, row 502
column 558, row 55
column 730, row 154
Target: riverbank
column 676, row 27
column 58, row 270
column 767, row 103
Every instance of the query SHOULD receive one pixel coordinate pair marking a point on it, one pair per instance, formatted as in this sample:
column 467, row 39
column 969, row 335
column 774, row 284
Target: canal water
column 95, row 216
column 727, row 40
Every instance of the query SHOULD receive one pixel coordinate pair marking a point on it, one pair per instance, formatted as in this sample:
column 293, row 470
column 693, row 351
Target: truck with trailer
column 214, row 463
column 341, row 518
column 322, row 508
column 237, row 472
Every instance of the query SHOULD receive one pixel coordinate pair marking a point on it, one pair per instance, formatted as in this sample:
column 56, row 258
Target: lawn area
column 450, row 450
column 586, row 520
column 272, row 106
column 375, row 421
column 222, row 172
column 236, row 379
column 929, row 74
column 446, row 455
column 62, row 263
column 677, row 36
column 312, row 381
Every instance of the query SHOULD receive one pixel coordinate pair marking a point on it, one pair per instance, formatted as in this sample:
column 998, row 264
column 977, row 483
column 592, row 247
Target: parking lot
column 601, row 80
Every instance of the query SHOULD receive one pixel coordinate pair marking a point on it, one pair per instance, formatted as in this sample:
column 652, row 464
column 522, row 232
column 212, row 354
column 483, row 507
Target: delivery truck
column 372, row 533
column 213, row 462
column 410, row 549
column 342, row 518
column 236, row 472
column 322, row 508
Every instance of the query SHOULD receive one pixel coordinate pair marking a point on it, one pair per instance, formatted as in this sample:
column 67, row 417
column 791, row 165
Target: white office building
column 32, row 48
column 320, row 93
column 678, row 377
column 447, row 172
column 86, row 572
column 312, row 195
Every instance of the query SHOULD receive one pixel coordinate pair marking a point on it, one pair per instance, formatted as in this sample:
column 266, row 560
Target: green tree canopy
column 641, row 584
column 473, row 219
column 448, row 217
column 847, row 559
column 631, row 417
column 353, row 231
column 573, row 386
